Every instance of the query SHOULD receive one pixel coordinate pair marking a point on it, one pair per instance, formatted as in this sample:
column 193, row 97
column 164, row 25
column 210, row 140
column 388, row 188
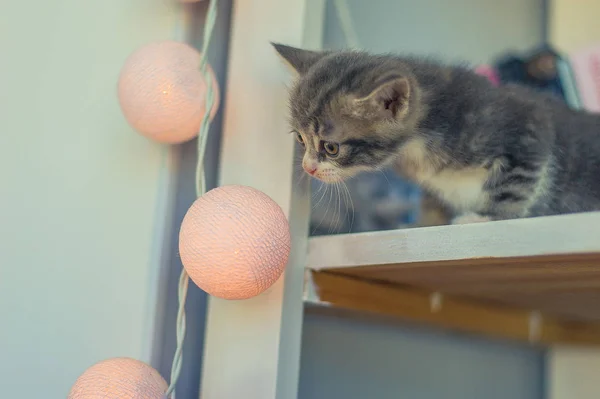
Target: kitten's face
column 339, row 147
column 350, row 111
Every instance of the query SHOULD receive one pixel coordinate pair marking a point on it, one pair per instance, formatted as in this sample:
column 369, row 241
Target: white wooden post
column 252, row 347
column 573, row 373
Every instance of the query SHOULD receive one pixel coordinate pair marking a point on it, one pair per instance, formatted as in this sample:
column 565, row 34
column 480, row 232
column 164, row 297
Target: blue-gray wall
column 351, row 358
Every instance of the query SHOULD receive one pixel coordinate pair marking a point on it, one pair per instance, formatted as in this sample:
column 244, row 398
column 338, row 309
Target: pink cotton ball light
column 162, row 91
column 120, row 378
column 234, row 242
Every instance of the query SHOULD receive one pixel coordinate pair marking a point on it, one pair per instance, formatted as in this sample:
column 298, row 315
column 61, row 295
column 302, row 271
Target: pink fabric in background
column 488, row 72
column 585, row 65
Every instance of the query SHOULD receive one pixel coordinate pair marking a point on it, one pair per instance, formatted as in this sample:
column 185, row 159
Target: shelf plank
column 552, row 235
column 549, row 264
column 449, row 313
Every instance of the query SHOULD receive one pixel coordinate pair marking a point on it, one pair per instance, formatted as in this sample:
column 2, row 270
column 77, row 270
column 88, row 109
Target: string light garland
column 234, row 240
column 124, row 377
column 209, row 24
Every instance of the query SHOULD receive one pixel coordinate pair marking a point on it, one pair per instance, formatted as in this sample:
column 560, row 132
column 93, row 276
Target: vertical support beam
column 573, row 373
column 573, row 25
column 252, row 347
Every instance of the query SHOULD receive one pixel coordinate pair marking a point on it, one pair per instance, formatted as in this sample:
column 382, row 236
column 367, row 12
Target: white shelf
column 544, row 236
column 493, row 278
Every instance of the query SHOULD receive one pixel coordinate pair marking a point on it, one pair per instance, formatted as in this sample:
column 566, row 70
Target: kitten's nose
column 311, row 169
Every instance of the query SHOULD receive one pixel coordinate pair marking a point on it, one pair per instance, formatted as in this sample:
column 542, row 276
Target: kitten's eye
column 299, row 138
column 332, row 149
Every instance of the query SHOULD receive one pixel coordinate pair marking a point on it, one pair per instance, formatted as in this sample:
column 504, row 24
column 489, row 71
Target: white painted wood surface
column 553, row 235
column 573, row 25
column 252, row 347
column 573, row 373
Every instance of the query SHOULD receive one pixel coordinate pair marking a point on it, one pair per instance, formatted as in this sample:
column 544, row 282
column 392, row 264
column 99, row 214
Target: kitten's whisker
column 330, row 229
column 338, row 210
column 313, row 195
column 319, row 188
column 344, row 199
column 299, row 181
column 352, row 206
column 331, row 194
column 333, row 220
column 299, row 171
column 378, row 168
column 315, row 204
column 339, row 214
column 322, row 195
column 326, row 209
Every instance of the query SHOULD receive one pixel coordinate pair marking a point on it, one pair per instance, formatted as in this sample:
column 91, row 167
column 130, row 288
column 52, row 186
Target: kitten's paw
column 468, row 218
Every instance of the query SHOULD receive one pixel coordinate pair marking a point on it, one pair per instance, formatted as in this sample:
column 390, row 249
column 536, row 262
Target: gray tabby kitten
column 484, row 152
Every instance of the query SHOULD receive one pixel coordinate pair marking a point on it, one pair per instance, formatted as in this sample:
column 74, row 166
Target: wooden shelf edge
column 521, row 238
column 447, row 312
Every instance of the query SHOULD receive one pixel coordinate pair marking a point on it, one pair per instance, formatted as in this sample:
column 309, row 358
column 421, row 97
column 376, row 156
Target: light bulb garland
column 147, row 81
column 200, row 182
column 228, row 257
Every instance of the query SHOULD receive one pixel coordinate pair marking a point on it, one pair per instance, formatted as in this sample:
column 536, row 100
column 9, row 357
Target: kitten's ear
column 298, row 60
column 389, row 100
